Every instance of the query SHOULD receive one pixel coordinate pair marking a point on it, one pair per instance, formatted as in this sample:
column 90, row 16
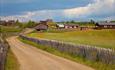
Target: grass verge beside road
column 96, row 65
column 11, row 61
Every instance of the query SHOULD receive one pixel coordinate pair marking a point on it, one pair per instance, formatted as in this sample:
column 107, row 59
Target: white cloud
column 99, row 8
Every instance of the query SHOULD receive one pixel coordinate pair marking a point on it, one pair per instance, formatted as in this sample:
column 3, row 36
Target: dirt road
column 31, row 58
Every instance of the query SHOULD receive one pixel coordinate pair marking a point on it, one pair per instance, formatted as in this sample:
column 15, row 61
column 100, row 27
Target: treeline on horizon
column 31, row 23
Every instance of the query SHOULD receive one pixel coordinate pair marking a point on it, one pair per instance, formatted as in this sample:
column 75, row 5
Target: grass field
column 99, row 38
column 9, row 29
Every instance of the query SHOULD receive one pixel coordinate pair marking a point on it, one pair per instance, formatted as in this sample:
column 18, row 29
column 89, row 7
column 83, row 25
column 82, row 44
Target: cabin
column 105, row 25
column 66, row 26
column 7, row 23
column 10, row 22
column 40, row 27
column 2, row 22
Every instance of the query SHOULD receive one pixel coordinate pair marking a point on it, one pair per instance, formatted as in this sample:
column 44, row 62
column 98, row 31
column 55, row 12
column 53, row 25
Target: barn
column 105, row 25
column 7, row 23
column 71, row 26
column 40, row 27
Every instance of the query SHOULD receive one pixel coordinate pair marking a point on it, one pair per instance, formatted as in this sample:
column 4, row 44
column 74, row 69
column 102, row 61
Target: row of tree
column 29, row 24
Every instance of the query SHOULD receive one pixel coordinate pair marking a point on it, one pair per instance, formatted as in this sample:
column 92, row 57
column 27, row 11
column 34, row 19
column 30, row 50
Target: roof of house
column 105, row 23
column 41, row 26
column 71, row 25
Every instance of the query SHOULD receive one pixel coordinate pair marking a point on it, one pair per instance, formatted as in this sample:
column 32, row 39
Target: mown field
column 99, row 38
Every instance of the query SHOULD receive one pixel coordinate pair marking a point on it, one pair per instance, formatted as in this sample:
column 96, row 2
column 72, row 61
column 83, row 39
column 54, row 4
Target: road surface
column 31, row 58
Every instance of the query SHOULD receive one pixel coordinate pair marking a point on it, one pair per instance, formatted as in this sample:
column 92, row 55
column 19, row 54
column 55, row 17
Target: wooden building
column 84, row 28
column 66, row 26
column 7, row 23
column 2, row 22
column 105, row 25
column 40, row 27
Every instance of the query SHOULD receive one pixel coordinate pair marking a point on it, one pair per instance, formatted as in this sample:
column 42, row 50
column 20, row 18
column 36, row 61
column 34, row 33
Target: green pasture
column 99, row 38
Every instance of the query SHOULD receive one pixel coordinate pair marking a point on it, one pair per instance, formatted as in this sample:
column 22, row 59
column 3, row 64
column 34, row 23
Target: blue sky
column 59, row 10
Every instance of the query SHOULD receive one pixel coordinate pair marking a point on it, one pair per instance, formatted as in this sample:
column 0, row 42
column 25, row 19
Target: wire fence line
column 88, row 52
column 3, row 52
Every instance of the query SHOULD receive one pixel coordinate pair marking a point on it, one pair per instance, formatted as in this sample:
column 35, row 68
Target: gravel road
column 31, row 58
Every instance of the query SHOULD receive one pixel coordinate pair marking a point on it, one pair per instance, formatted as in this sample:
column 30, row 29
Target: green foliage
column 91, row 23
column 30, row 24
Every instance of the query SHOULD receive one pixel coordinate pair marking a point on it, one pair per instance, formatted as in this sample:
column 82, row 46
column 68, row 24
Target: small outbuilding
column 105, row 25
column 60, row 26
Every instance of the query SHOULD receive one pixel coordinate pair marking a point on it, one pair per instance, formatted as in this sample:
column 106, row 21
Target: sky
column 58, row 10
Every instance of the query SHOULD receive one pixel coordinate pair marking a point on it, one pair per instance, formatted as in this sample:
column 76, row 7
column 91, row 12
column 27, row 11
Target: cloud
column 99, row 9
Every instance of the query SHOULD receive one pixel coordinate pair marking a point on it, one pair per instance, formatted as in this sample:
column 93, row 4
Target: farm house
column 105, row 25
column 71, row 26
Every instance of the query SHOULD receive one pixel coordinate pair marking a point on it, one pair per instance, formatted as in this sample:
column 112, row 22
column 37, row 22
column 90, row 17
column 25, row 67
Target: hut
column 105, row 25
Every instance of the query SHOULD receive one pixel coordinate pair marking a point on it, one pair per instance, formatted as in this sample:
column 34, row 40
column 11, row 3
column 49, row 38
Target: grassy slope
column 96, row 65
column 10, row 29
column 100, row 38
column 11, row 62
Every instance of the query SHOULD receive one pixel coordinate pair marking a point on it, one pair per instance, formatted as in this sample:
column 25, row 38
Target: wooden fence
column 88, row 52
column 3, row 51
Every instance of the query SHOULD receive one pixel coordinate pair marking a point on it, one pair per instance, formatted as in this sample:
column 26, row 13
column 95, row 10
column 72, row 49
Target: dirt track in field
column 31, row 58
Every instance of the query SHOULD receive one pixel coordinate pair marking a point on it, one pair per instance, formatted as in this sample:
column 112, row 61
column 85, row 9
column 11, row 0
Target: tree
column 72, row 21
column 31, row 24
column 92, row 21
